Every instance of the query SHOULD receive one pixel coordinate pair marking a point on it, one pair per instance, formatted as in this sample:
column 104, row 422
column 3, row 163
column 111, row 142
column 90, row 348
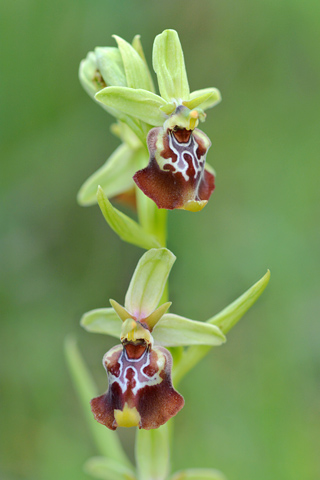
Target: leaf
column 148, row 282
column 127, row 229
column 102, row 320
column 152, row 453
column 175, row 331
column 168, row 63
column 108, row 469
column 137, row 103
column 204, row 99
column 137, row 72
column 198, row 474
column 107, row 441
column 114, row 177
column 227, row 318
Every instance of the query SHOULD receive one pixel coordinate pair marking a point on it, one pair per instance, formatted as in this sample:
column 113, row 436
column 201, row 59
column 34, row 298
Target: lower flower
column 140, row 389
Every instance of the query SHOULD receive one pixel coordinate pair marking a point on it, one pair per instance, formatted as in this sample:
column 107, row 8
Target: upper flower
column 177, row 176
column 119, row 78
column 140, row 389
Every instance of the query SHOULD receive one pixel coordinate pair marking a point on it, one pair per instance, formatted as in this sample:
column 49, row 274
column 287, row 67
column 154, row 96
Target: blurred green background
column 252, row 407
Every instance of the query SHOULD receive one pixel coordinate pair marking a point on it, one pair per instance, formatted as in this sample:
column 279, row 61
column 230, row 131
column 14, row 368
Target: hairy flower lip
column 140, row 391
column 176, row 176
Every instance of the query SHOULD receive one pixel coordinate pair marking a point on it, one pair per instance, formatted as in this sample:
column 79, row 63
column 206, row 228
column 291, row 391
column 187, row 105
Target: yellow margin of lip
column 195, row 206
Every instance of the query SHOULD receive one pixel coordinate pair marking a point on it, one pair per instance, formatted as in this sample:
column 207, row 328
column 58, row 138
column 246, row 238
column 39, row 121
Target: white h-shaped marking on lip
column 197, row 164
column 121, row 379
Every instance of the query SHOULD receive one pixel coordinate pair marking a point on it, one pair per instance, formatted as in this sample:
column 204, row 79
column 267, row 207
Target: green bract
column 127, row 229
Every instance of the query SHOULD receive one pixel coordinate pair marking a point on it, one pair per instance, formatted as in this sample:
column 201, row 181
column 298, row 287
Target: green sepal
column 148, row 282
column 88, row 79
column 227, row 318
column 108, row 469
column 152, row 453
column 175, row 331
column 168, row 108
column 102, row 320
column 87, row 71
column 136, row 69
column 137, row 45
column 107, row 441
column 121, row 312
column 205, row 98
column 198, row 474
column 127, row 229
column 114, row 177
column 138, row 103
column 110, row 65
column 168, row 63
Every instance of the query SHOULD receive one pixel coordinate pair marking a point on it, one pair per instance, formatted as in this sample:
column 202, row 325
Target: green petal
column 107, row 441
column 114, row 177
column 107, row 469
column 102, row 320
column 205, row 98
column 137, row 45
column 148, row 282
column 127, row 229
column 198, row 474
column 228, row 317
column 121, row 312
column 168, row 63
column 155, row 316
column 138, row 103
column 110, row 65
column 175, row 331
column 136, row 69
column 152, row 453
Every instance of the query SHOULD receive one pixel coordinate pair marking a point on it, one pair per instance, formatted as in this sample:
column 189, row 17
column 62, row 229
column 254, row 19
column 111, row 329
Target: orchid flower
column 177, row 175
column 140, row 389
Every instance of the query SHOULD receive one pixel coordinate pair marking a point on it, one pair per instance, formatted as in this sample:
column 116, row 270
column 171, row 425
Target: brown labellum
column 176, row 176
column 140, row 390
